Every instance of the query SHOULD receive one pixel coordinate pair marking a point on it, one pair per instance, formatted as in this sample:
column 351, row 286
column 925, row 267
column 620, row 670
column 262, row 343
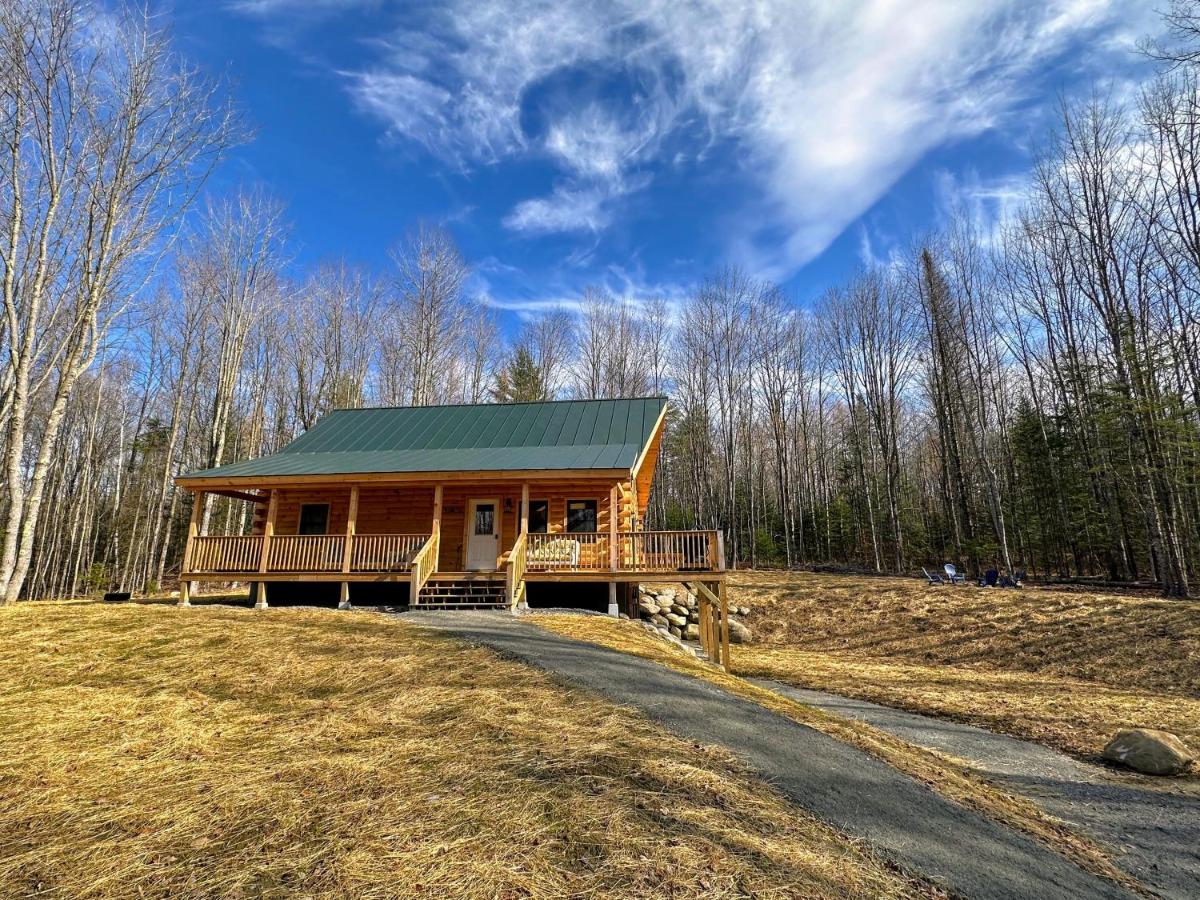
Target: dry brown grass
column 1067, row 668
column 947, row 776
column 149, row 751
column 1125, row 641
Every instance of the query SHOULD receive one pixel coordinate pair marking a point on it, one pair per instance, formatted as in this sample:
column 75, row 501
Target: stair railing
column 514, row 580
column 424, row 564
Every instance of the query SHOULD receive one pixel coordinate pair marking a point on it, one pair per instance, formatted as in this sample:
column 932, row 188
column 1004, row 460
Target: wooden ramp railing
column 423, row 566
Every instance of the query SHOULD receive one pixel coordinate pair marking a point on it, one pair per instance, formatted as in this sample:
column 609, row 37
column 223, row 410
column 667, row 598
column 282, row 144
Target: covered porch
column 424, row 534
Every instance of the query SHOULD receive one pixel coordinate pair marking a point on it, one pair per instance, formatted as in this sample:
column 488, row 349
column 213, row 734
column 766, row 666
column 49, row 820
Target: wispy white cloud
column 989, row 204
column 563, row 210
column 825, row 104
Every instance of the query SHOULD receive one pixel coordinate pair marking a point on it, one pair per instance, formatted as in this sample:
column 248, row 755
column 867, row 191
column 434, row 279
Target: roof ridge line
column 505, row 403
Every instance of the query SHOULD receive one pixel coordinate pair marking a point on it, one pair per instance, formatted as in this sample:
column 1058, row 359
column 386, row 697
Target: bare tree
column 105, row 143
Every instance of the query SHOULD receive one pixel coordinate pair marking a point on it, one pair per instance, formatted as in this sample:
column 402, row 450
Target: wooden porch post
column 185, row 586
column 613, row 514
column 351, row 519
column 268, row 531
column 723, row 593
column 525, row 508
column 437, row 514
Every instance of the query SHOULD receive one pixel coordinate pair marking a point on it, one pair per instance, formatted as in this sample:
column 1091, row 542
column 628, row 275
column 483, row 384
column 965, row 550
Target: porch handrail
column 221, row 553
column 385, row 552
column 669, row 551
column 305, row 552
column 424, row 564
column 569, row 551
column 515, row 575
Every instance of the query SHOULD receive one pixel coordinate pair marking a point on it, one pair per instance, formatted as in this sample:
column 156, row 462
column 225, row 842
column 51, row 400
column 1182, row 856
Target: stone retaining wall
column 675, row 612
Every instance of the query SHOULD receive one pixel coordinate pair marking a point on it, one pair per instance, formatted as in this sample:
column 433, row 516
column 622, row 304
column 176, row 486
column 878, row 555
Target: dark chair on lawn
column 952, row 574
column 933, row 579
column 1014, row 580
column 990, row 578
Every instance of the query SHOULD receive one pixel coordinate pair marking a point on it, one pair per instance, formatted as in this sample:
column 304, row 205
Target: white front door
column 483, row 534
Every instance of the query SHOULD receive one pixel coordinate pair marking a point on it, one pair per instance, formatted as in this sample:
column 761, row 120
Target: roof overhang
column 381, row 478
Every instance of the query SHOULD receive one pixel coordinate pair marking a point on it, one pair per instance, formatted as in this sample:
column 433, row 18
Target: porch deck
column 621, row 556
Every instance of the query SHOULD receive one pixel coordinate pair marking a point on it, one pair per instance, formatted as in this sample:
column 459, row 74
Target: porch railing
column 669, row 551
column 385, row 552
column 636, row 551
column 572, row 552
column 220, row 553
column 305, row 552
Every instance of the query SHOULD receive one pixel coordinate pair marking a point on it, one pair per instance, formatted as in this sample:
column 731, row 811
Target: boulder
column 668, row 594
column 677, row 620
column 659, row 620
column 693, row 632
column 1148, row 750
column 647, row 592
column 738, row 633
column 690, row 600
column 647, row 608
column 679, row 609
column 743, row 610
column 693, row 615
column 675, row 632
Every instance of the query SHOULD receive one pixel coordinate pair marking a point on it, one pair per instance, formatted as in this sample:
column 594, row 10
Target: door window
column 485, row 519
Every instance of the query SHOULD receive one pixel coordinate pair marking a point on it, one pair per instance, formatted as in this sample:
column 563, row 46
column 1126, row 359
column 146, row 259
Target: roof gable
column 563, row 434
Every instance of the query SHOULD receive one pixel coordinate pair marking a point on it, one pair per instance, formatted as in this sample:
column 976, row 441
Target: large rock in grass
column 738, row 633
column 1149, row 750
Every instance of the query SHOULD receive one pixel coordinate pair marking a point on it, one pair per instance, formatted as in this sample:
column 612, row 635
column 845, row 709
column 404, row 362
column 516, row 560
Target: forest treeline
column 1023, row 395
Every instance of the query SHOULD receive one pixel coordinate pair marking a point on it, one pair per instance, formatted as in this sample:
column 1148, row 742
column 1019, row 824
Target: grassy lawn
column 149, row 751
column 1064, row 667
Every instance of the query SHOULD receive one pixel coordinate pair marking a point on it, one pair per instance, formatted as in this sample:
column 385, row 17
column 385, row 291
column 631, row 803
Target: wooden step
column 460, row 590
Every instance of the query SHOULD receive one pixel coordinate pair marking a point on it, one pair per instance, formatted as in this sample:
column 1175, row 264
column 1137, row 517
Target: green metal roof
column 563, row 434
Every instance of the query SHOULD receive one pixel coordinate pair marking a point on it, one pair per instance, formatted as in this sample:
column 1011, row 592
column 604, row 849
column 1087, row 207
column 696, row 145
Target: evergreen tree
column 521, row 380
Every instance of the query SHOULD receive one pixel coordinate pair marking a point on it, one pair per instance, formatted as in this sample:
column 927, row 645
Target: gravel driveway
column 901, row 818
column 1153, row 832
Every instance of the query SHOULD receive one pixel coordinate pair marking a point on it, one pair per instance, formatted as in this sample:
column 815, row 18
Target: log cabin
column 469, row 505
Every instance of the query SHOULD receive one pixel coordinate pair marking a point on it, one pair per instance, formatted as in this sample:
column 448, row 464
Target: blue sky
column 640, row 145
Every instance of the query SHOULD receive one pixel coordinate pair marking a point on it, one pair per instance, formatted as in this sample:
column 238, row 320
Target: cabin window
column 314, row 518
column 539, row 516
column 581, row 516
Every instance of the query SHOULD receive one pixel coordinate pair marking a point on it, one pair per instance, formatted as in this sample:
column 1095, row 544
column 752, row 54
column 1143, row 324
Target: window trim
column 595, row 501
column 300, row 519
